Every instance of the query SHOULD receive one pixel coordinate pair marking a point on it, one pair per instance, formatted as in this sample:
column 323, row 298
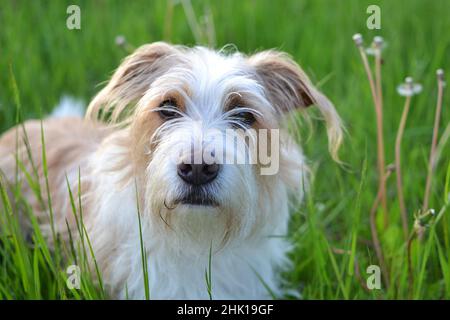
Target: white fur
column 176, row 266
column 130, row 171
column 178, row 254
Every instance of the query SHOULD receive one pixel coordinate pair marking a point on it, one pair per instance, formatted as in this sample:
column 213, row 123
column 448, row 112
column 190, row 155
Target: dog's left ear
column 131, row 80
column 286, row 85
column 288, row 88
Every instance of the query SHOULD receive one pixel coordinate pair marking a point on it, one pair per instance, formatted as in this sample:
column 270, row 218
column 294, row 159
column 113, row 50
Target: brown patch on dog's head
column 288, row 88
column 117, row 103
column 130, row 82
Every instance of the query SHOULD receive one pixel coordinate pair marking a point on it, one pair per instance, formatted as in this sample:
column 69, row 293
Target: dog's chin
column 200, row 211
column 202, row 218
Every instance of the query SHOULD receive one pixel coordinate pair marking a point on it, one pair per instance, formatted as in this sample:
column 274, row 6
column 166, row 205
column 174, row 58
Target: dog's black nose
column 198, row 174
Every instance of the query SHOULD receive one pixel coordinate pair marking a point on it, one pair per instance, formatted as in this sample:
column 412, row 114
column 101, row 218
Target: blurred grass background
column 48, row 60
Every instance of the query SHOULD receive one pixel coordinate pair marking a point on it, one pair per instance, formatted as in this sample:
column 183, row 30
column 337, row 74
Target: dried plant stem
column 375, row 239
column 398, row 144
column 380, row 139
column 379, row 115
column 381, row 193
column 369, row 74
column 433, row 142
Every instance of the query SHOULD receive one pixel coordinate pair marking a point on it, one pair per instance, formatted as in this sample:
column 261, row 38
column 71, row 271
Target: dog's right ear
column 288, row 88
column 130, row 82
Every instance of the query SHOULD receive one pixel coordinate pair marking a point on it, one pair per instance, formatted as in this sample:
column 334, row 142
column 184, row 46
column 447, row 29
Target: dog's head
column 200, row 131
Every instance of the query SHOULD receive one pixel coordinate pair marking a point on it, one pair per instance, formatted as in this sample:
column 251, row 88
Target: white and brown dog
column 128, row 149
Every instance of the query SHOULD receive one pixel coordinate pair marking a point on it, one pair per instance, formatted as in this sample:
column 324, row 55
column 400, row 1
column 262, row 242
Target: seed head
column 378, row 41
column 121, row 41
column 440, row 75
column 358, row 39
column 376, row 47
column 409, row 88
column 423, row 219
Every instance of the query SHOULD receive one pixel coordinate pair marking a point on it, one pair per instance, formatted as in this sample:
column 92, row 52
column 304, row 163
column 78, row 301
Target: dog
column 129, row 160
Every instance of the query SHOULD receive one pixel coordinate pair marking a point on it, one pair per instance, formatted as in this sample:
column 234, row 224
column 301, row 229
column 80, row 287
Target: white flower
column 358, row 39
column 440, row 76
column 120, row 41
column 377, row 46
column 378, row 41
column 409, row 88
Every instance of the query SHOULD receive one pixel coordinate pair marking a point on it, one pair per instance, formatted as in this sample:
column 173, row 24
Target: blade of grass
column 208, row 274
column 143, row 251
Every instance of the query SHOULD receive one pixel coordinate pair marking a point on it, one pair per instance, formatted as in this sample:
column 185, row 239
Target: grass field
column 331, row 232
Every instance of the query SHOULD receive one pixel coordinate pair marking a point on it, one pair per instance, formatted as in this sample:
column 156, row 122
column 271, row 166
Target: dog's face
column 180, row 109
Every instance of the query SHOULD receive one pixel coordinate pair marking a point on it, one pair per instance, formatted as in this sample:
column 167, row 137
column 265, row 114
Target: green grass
column 330, row 230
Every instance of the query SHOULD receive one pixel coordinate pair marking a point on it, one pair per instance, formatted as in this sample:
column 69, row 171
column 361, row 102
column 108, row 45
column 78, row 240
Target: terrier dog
column 130, row 158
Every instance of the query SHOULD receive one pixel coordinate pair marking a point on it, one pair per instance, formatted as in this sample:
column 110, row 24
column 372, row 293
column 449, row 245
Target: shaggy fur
column 125, row 153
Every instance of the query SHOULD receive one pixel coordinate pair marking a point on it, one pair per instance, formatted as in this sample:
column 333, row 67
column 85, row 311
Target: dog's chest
column 235, row 274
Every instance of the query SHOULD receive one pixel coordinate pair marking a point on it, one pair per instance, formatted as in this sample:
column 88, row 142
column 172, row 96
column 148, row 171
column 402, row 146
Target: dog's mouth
column 199, row 201
column 197, row 197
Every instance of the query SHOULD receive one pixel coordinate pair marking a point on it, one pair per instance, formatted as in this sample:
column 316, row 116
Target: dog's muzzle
column 198, row 178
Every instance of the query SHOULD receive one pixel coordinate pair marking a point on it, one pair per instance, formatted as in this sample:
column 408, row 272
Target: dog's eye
column 170, row 110
column 244, row 117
